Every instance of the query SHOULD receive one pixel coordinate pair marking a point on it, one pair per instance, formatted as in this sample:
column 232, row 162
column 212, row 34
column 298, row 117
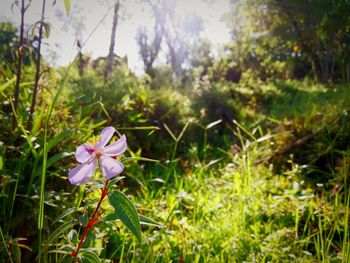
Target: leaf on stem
column 89, row 257
column 143, row 220
column 126, row 212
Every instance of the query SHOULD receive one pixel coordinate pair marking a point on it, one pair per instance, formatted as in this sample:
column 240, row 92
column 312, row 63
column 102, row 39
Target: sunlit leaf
column 212, row 124
column 7, row 84
column 89, row 257
column 126, row 212
column 159, row 180
column 143, row 220
column 147, row 221
column 67, row 6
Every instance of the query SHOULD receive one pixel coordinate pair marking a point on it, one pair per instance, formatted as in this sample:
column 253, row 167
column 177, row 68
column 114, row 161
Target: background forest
column 238, row 153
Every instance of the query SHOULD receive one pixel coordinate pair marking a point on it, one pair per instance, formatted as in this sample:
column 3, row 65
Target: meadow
column 215, row 169
column 250, row 190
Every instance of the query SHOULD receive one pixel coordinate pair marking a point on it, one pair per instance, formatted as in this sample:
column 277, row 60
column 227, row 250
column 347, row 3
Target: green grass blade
column 5, row 245
column 147, row 221
column 55, row 234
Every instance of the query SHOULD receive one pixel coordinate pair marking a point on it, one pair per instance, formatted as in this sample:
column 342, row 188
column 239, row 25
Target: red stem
column 93, row 220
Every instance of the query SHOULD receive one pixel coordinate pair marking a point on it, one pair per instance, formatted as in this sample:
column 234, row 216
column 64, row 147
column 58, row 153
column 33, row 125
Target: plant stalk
column 19, row 64
column 92, row 222
column 37, row 73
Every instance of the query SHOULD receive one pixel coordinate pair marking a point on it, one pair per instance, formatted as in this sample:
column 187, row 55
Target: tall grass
column 223, row 195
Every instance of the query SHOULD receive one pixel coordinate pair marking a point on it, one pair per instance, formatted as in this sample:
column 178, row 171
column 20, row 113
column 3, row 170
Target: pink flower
column 89, row 155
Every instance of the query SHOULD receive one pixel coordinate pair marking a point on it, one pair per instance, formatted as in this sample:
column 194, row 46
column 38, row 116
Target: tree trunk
column 80, row 60
column 112, row 45
column 316, row 68
column 37, row 73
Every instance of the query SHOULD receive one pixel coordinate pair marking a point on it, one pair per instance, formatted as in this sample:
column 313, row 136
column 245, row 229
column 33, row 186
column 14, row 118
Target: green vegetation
column 219, row 170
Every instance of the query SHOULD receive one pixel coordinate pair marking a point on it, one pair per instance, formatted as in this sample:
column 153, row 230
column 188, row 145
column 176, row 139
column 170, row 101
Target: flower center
column 98, row 154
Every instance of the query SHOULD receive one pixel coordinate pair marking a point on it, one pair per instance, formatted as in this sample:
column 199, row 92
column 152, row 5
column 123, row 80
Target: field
column 270, row 186
column 238, row 154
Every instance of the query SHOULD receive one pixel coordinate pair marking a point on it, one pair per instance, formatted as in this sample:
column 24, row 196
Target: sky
column 60, row 48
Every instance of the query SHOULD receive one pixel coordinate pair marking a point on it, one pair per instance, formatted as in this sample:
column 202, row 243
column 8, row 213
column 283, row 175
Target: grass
column 245, row 212
column 222, row 194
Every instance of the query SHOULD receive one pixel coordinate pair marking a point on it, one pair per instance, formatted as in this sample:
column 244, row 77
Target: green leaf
column 16, row 252
column 115, row 180
column 37, row 123
column 84, row 219
column 89, row 257
column 143, row 220
column 58, row 138
column 47, row 30
column 126, row 212
column 67, row 6
column 111, row 217
column 95, row 187
column 73, row 236
column 64, row 214
column 147, row 221
column 58, row 156
column 55, row 234
column 6, row 85
column 66, row 259
column 54, row 159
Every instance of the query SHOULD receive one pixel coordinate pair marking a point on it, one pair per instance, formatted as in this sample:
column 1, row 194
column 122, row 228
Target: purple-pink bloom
column 91, row 155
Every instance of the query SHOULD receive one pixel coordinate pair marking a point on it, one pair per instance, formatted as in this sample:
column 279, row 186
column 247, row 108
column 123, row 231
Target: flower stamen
column 98, row 154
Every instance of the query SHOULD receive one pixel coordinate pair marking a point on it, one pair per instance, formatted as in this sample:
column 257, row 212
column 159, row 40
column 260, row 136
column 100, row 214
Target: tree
column 112, row 44
column 317, row 30
column 200, row 55
column 178, row 30
column 149, row 49
column 181, row 31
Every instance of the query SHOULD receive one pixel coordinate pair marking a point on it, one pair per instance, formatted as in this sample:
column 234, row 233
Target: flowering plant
column 90, row 156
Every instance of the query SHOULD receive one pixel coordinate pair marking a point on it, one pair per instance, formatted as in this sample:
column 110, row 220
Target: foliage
column 8, row 38
column 231, row 165
column 289, row 38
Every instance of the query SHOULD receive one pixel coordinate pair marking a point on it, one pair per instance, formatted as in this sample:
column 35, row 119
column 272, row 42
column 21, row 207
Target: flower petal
column 116, row 148
column 110, row 167
column 82, row 173
column 105, row 136
column 82, row 154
